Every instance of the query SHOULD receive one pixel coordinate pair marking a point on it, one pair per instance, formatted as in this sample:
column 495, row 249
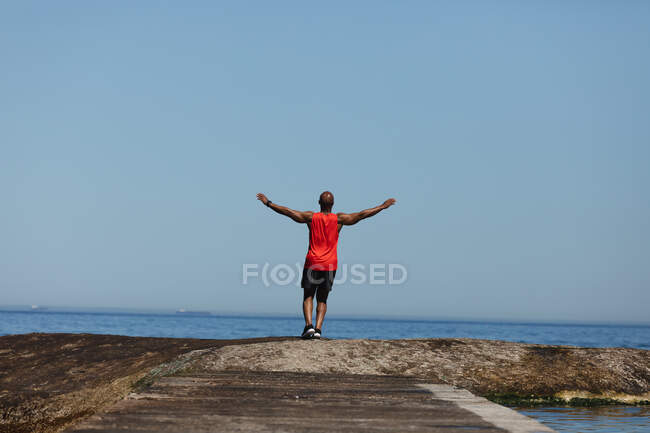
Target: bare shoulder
column 307, row 215
column 343, row 217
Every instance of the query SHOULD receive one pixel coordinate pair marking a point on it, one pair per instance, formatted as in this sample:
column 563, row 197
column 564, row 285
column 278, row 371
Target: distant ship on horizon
column 185, row 312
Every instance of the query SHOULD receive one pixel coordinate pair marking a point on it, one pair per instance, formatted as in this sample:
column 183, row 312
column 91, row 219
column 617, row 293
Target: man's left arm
column 349, row 219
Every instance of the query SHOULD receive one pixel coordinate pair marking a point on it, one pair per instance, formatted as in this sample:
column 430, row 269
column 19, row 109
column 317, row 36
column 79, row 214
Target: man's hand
column 261, row 197
column 388, row 203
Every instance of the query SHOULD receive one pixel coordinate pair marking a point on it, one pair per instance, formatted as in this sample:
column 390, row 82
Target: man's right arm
column 348, row 219
column 296, row 215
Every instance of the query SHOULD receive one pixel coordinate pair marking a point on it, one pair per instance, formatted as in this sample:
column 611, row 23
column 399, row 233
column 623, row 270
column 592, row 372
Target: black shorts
column 318, row 283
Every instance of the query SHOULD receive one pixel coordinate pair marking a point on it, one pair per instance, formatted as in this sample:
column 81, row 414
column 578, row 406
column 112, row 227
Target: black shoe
column 308, row 332
column 316, row 333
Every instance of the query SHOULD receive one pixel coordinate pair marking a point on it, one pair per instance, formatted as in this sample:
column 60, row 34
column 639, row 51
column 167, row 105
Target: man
column 321, row 261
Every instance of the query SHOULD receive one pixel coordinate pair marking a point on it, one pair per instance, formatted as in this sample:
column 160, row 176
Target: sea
column 606, row 419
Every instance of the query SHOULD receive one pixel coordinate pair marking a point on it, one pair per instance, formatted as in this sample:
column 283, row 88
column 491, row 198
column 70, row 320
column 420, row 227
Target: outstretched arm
column 296, row 215
column 348, row 219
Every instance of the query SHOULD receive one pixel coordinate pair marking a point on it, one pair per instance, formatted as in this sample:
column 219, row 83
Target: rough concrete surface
column 303, row 402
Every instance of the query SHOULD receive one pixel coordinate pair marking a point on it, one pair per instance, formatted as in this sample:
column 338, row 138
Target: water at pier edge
column 574, row 420
column 606, row 419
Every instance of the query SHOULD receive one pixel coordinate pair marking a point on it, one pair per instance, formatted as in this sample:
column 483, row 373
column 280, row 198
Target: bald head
column 326, row 201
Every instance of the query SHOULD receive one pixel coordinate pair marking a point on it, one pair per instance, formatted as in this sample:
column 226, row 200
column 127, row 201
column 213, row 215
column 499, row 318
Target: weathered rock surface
column 485, row 367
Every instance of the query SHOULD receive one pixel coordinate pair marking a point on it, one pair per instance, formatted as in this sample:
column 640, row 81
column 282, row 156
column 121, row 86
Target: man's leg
column 321, row 298
column 321, row 309
column 309, row 291
column 307, row 308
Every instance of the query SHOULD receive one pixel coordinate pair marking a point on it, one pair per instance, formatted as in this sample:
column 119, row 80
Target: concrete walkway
column 303, row 402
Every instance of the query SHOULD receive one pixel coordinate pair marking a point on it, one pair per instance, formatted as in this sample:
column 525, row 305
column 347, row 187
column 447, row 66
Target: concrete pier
column 303, row 402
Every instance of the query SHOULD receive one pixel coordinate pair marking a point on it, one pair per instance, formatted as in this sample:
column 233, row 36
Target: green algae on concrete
column 517, row 400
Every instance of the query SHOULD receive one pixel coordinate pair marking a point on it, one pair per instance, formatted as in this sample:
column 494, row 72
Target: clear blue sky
column 514, row 135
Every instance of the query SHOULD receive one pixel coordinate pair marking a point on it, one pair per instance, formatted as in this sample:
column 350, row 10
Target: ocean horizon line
column 192, row 313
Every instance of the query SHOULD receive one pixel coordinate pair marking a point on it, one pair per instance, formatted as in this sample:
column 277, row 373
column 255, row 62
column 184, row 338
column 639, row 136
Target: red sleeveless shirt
column 323, row 238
